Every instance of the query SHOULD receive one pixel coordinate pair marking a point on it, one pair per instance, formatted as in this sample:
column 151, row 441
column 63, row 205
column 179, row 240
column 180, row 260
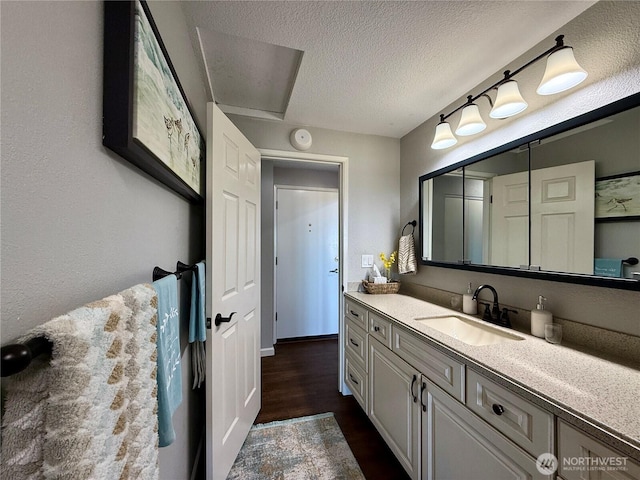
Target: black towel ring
column 413, row 223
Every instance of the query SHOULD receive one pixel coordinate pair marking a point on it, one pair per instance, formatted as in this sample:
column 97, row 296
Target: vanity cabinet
column 444, row 419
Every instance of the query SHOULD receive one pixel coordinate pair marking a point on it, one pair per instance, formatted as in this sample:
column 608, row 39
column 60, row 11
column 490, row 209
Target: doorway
column 307, row 262
column 314, row 164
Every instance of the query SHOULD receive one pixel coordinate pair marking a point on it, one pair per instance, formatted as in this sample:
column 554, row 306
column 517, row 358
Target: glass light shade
column 508, row 102
column 470, row 121
column 562, row 72
column 444, row 137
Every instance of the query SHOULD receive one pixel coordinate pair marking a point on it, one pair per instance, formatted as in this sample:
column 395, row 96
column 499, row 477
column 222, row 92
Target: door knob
column 335, row 270
column 220, row 319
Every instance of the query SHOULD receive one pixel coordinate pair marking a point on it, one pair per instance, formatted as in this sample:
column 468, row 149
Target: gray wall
column 605, row 40
column 373, row 202
column 78, row 222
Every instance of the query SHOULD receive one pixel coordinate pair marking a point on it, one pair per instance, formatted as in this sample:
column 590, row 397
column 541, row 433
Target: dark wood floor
column 302, row 379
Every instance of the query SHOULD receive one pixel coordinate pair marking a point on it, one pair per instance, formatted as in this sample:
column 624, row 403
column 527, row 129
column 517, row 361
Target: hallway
column 302, row 379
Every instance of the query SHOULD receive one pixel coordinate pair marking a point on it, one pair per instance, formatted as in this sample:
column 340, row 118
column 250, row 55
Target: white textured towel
column 407, row 264
column 89, row 412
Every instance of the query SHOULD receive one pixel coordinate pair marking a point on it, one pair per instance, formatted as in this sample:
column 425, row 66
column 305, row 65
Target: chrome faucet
column 494, row 315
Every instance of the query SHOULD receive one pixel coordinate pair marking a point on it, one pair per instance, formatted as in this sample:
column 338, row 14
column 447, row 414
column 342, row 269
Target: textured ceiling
column 382, row 67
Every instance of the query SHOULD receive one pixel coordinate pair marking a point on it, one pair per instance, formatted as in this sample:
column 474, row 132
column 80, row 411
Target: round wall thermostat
column 301, row 139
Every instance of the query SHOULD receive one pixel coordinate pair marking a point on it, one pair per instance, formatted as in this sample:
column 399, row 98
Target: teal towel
column 197, row 320
column 197, row 325
column 608, row 267
column 169, row 373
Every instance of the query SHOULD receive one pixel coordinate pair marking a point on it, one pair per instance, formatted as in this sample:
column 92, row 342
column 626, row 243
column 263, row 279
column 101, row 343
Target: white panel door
column 510, row 220
column 307, row 279
column 233, row 287
column 562, row 212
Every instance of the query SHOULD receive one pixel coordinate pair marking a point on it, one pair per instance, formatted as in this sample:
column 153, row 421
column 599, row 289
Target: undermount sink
column 467, row 331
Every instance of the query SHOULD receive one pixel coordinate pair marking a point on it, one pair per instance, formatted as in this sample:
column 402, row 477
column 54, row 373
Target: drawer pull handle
column 497, row 409
column 353, row 379
column 424, row 387
column 354, row 313
column 354, row 342
column 415, row 397
column 376, row 328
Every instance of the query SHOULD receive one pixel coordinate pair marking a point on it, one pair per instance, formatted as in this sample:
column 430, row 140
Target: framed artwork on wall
column 147, row 119
column 618, row 197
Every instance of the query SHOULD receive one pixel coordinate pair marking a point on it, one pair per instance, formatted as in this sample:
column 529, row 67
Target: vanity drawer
column 380, row 328
column 527, row 425
column 357, row 313
column 356, row 379
column 575, row 446
column 355, row 342
column 441, row 369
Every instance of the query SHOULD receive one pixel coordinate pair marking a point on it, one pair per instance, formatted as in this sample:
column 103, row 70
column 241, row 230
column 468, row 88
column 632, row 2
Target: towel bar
column 18, row 356
column 181, row 268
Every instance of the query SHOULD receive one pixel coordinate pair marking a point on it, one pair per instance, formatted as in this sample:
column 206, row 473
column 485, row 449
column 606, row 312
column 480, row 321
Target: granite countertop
column 599, row 396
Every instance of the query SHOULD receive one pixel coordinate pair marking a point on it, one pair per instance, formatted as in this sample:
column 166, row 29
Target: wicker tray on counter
column 375, row 288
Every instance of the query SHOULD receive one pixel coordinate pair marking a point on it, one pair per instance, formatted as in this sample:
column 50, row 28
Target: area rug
column 305, row 448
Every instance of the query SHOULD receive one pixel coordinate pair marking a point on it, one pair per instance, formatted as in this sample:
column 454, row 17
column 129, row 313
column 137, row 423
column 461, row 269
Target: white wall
column 605, row 40
column 78, row 222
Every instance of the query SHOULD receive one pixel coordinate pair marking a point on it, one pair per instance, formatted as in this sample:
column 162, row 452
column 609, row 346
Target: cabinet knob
column 497, row 409
column 354, row 313
column 354, row 342
column 376, row 328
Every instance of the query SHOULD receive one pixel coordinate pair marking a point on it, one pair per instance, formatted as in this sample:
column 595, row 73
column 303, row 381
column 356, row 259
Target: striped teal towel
column 197, row 324
column 169, row 373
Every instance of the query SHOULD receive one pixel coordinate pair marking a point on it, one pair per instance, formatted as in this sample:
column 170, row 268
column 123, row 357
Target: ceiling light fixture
column 562, row 73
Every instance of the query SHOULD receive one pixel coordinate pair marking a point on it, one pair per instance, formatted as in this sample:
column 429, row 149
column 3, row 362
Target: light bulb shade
column 444, row 137
column 508, row 102
column 562, row 72
column 470, row 121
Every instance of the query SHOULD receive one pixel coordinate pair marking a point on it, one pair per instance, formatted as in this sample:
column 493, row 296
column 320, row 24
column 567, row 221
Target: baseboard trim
column 267, row 352
column 314, row 338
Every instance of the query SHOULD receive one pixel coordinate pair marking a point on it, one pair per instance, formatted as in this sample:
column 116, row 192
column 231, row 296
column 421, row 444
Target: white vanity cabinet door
column 576, row 448
column 526, row 424
column 441, row 369
column 393, row 404
column 357, row 313
column 458, row 445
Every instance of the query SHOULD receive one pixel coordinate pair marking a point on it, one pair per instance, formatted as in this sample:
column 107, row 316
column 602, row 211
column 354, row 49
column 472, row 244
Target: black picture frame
column 612, row 209
column 121, row 108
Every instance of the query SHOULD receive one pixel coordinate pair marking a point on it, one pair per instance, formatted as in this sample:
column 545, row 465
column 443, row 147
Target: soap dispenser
column 540, row 317
column 469, row 305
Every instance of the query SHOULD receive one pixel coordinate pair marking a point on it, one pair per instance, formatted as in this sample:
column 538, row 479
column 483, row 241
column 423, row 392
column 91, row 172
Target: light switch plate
column 367, row 261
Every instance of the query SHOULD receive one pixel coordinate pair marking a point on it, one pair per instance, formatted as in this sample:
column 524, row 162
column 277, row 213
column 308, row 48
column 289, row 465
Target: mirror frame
column 576, row 278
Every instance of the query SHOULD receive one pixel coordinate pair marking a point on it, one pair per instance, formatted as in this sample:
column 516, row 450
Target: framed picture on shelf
column 147, row 119
column 618, row 197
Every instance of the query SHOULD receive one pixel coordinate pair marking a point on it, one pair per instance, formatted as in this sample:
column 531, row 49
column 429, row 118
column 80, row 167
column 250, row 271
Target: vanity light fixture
column 562, row 73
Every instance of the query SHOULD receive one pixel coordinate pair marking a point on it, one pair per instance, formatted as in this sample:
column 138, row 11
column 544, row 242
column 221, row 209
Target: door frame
column 275, row 245
column 343, row 219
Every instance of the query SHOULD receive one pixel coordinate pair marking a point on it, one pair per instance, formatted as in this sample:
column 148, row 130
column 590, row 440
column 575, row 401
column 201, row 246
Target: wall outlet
column 367, row 261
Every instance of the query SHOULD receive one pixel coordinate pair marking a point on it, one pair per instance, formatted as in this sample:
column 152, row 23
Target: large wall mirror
column 562, row 204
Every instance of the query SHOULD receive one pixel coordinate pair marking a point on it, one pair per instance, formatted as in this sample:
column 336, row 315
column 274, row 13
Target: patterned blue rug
column 305, row 448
